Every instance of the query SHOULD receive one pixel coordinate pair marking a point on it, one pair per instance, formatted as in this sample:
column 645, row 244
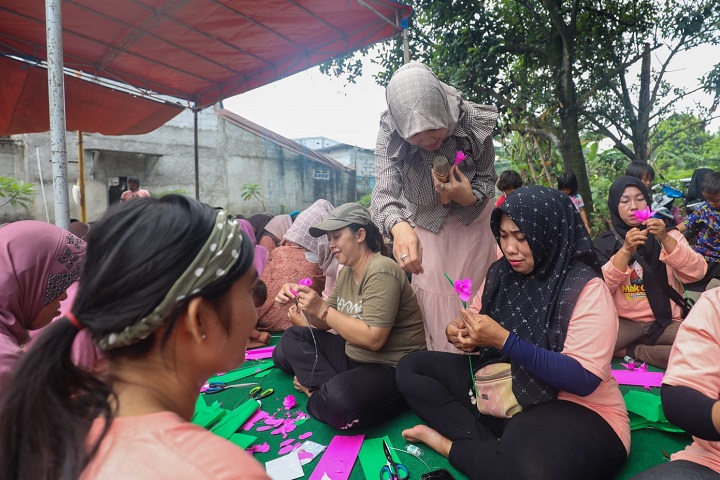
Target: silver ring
column 404, row 256
column 442, row 185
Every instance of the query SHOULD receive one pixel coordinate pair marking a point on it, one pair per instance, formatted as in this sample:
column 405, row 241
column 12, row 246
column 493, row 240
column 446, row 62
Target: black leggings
column 556, row 440
column 345, row 393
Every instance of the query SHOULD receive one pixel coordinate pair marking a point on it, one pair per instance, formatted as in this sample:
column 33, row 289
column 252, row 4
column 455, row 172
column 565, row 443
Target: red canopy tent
column 197, row 52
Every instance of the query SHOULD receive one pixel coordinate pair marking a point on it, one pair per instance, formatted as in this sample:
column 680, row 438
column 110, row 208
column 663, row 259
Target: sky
column 311, row 104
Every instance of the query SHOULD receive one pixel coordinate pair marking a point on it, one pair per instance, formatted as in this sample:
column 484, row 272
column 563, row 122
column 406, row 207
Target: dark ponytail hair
column 373, row 237
column 135, row 254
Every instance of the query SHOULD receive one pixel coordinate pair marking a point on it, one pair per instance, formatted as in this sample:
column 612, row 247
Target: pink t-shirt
column 164, row 446
column 591, row 337
column 627, row 288
column 694, row 363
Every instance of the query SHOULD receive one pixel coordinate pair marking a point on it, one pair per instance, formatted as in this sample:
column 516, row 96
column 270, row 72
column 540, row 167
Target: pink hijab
column 38, row 262
column 261, row 253
column 279, row 225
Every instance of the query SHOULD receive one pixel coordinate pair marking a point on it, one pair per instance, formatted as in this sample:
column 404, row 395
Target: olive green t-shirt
column 383, row 298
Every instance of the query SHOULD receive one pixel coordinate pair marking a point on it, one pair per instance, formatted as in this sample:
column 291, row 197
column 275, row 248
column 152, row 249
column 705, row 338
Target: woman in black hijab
column 544, row 310
column 643, row 264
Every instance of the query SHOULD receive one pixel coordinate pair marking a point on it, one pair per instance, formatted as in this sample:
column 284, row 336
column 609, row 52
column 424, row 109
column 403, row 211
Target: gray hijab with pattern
column 216, row 257
column 418, row 101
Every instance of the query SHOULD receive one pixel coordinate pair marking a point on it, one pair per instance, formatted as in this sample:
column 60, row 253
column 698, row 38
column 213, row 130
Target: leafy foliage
column 16, row 193
column 248, row 191
column 556, row 69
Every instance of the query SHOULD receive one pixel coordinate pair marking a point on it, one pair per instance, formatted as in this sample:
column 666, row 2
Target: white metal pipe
column 42, row 184
column 56, row 97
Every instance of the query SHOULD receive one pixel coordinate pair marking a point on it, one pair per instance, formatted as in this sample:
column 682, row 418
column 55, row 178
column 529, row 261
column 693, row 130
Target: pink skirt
column 460, row 251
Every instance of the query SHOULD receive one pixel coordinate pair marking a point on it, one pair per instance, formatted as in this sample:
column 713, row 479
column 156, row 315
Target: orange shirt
column 591, row 337
column 627, row 290
column 694, row 363
column 164, row 446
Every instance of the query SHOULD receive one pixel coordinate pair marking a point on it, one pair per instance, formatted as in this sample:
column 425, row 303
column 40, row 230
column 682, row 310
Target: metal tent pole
column 56, row 97
column 197, row 155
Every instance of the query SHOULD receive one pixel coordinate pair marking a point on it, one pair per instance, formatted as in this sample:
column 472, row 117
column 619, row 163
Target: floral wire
column 472, row 373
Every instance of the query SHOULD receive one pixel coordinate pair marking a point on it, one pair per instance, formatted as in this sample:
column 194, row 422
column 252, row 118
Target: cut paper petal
column 459, row 157
column 288, row 449
column 262, row 448
column 265, row 427
column 287, row 442
column 289, row 402
column 305, row 282
column 305, row 435
column 294, row 292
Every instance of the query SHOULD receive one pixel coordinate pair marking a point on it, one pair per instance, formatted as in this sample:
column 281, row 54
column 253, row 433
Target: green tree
column 16, row 193
column 248, row 191
column 679, row 142
column 629, row 107
column 547, row 63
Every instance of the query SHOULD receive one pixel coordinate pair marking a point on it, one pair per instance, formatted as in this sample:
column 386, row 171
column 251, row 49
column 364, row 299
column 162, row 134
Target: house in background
column 362, row 160
column 232, row 150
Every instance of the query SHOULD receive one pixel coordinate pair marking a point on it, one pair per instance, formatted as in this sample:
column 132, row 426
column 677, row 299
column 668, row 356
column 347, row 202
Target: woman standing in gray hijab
column 426, row 119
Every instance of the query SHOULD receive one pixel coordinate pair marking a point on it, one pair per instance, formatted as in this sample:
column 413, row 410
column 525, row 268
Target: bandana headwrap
column 213, row 261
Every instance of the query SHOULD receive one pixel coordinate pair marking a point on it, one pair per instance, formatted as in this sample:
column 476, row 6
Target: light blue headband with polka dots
column 213, row 261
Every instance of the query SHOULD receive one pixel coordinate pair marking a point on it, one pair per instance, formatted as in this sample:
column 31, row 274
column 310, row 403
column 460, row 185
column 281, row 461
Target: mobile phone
column 440, row 474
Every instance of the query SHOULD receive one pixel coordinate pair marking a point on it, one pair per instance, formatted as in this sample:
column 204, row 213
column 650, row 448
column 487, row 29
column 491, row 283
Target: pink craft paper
column 638, row 378
column 287, row 442
column 303, row 455
column 257, row 416
column 305, row 435
column 339, row 458
column 259, row 353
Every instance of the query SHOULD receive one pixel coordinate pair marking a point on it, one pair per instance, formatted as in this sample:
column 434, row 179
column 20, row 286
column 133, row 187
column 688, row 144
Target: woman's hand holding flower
column 309, row 301
column 460, row 191
column 633, row 239
column 482, row 331
column 288, row 293
column 456, row 332
column 657, row 227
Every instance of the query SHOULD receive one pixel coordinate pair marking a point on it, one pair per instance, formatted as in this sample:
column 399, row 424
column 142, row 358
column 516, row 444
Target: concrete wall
column 164, row 161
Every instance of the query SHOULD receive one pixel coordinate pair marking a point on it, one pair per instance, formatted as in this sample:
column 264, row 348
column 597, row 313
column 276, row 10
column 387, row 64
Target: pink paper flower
column 464, row 289
column 306, row 282
column 459, row 157
column 643, row 215
column 289, row 402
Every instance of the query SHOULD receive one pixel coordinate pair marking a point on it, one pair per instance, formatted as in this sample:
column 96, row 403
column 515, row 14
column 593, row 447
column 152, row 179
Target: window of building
column 320, row 174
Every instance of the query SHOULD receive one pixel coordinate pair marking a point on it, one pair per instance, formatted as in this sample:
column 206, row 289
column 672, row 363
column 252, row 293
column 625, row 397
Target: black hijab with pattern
column 607, row 245
column 538, row 306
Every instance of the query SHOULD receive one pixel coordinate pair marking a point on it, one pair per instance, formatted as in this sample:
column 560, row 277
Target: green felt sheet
column 372, row 455
column 649, row 445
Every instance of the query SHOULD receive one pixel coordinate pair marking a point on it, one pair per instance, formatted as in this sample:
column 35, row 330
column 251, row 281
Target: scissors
column 393, row 470
column 216, row 387
column 256, row 393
